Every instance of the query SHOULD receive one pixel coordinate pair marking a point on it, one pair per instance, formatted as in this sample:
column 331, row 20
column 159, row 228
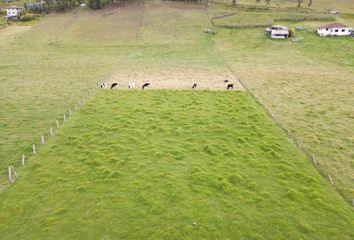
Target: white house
column 13, row 11
column 334, row 29
column 278, row 31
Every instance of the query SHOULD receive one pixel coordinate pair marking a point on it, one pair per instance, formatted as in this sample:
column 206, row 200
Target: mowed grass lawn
column 172, row 165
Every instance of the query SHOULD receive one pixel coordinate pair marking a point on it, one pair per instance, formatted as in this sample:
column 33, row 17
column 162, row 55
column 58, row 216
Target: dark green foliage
column 94, row 4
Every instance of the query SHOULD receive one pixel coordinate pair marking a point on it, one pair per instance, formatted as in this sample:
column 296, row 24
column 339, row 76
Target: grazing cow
column 131, row 85
column 194, row 86
column 103, row 85
column 114, row 85
column 145, row 85
column 226, row 81
column 230, row 86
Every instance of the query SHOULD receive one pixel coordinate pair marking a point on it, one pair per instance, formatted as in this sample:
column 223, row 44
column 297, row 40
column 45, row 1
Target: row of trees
column 61, row 5
column 299, row 2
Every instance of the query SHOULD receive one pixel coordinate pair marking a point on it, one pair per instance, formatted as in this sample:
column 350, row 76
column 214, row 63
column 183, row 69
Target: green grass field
column 149, row 164
column 45, row 70
column 307, row 85
column 135, row 165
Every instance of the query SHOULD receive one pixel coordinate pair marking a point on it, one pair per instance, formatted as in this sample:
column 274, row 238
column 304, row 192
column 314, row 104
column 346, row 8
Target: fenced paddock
column 191, row 164
column 200, row 161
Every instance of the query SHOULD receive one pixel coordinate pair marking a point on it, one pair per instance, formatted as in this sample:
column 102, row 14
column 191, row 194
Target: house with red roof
column 335, row 29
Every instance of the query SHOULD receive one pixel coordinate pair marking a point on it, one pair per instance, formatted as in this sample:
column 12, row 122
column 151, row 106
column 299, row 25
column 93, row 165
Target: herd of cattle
column 132, row 85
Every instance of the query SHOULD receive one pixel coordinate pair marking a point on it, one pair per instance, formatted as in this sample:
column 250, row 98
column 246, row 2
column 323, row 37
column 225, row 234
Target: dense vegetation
column 172, row 165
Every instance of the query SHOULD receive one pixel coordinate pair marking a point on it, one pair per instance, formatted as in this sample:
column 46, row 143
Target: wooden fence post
column 33, row 148
column 314, row 160
column 58, row 126
column 330, row 179
column 70, row 113
column 10, row 174
column 23, row 160
column 13, row 169
column 298, row 143
column 42, row 139
column 64, row 117
column 51, row 131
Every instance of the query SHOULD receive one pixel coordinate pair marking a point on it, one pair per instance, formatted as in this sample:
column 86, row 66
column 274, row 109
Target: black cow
column 114, row 85
column 104, row 85
column 230, row 86
column 194, row 86
column 226, row 81
column 145, row 85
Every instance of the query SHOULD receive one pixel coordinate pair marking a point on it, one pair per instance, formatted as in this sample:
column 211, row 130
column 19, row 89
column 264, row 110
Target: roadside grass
column 172, row 165
column 307, row 85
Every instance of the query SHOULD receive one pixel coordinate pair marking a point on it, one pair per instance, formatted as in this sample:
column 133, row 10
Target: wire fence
column 20, row 159
column 295, row 139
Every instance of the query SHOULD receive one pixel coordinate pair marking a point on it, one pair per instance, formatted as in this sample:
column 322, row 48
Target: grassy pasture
column 307, row 85
column 135, row 165
column 45, row 69
column 346, row 6
column 263, row 19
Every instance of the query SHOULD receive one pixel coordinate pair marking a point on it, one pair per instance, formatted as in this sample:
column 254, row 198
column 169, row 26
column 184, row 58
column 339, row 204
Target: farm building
column 334, row 29
column 278, row 31
column 13, row 11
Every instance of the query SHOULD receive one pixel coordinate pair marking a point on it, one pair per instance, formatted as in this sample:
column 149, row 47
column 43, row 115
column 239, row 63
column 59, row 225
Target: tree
column 234, row 3
column 95, row 4
column 299, row 3
column 310, row 3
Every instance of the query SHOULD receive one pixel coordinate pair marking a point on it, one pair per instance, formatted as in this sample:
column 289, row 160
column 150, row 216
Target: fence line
column 310, row 156
column 11, row 172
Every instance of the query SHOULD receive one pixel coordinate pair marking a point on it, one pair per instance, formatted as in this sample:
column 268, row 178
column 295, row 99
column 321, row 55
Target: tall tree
column 299, row 3
column 310, row 3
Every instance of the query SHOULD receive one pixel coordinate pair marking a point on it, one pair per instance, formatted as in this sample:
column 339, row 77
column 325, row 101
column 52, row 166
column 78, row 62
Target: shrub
column 27, row 17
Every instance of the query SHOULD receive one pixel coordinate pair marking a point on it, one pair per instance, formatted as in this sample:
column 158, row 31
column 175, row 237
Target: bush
column 28, row 17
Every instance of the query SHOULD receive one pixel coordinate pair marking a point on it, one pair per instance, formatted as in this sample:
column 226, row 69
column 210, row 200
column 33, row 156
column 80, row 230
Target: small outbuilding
column 278, row 31
column 13, row 12
column 334, row 29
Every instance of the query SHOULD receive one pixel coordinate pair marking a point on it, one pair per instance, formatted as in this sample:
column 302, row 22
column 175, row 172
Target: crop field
column 308, row 85
column 172, row 164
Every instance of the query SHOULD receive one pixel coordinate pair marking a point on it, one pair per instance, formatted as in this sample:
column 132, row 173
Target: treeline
column 62, row 5
column 98, row 4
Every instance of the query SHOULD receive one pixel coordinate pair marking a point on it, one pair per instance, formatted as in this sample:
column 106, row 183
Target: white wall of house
column 346, row 31
column 13, row 12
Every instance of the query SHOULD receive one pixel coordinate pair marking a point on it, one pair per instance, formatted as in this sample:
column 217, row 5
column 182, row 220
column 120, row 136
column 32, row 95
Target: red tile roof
column 334, row 25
